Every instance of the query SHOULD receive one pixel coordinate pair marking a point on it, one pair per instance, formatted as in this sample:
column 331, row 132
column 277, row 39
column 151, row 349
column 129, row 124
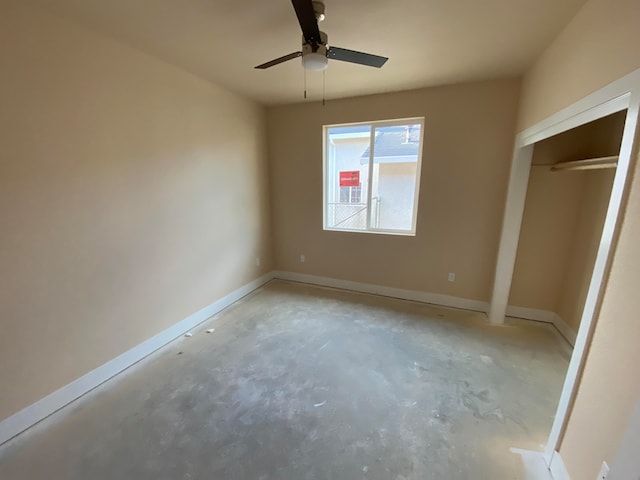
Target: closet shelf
column 587, row 164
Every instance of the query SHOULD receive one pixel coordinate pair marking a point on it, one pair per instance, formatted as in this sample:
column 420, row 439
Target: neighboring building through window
column 350, row 194
column 372, row 175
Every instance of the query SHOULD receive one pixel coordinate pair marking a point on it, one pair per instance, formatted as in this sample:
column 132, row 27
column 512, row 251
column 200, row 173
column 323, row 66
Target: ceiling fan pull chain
column 324, row 75
column 305, row 82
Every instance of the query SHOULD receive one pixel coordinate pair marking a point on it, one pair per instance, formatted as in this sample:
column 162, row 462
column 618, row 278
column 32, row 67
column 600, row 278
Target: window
column 372, row 175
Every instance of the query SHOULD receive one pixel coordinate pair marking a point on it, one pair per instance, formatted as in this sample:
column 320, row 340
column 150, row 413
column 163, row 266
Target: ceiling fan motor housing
column 314, row 57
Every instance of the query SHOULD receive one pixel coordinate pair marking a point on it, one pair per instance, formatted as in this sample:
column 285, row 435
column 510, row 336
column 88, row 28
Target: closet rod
column 587, row 164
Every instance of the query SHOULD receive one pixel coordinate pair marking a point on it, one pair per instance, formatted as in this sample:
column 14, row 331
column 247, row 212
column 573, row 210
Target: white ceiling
column 429, row 42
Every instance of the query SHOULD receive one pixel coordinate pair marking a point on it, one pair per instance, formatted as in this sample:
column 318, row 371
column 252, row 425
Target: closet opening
column 566, row 202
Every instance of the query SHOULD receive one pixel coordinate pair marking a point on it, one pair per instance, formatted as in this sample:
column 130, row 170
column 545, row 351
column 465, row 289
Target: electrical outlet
column 604, row 471
column 452, row 277
column 257, row 261
column 302, row 259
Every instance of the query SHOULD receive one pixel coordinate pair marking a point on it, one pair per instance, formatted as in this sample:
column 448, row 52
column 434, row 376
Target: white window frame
column 374, row 124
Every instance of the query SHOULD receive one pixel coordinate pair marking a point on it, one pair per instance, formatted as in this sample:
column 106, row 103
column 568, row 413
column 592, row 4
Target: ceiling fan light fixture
column 315, row 61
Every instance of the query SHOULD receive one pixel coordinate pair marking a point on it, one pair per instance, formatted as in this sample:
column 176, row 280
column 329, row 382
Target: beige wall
column 546, row 236
column 468, row 141
column 132, row 194
column 597, row 47
column 584, row 245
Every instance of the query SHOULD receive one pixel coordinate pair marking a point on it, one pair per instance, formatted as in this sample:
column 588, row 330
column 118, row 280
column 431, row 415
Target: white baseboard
column 53, row 402
column 545, row 316
column 557, row 468
column 536, row 314
column 565, row 330
column 424, row 297
column 535, row 468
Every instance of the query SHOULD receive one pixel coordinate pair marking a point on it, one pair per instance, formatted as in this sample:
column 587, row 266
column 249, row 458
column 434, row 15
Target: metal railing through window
column 353, row 215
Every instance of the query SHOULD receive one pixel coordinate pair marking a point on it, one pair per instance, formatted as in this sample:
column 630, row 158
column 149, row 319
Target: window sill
column 397, row 233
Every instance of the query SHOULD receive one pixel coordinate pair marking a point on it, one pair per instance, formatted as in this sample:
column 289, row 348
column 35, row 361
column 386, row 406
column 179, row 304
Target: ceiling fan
column 315, row 50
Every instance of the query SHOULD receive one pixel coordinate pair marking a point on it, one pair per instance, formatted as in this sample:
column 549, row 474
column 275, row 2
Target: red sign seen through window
column 350, row 179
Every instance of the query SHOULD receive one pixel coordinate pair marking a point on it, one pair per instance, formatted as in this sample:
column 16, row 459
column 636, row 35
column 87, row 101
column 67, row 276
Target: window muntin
column 372, row 189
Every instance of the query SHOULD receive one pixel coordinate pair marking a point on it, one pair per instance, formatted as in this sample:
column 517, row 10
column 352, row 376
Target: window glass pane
column 347, row 173
column 395, row 168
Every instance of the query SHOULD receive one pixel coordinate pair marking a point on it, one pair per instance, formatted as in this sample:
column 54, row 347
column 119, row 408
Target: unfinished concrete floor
column 301, row 382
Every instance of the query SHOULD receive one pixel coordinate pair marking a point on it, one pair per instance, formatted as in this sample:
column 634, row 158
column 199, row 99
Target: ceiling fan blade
column 307, row 19
column 352, row 56
column 279, row 60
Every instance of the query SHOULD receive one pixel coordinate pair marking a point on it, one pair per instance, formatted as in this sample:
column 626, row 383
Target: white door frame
column 619, row 95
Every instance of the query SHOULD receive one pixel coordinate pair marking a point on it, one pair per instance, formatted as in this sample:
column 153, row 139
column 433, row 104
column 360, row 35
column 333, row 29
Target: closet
column 567, row 197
